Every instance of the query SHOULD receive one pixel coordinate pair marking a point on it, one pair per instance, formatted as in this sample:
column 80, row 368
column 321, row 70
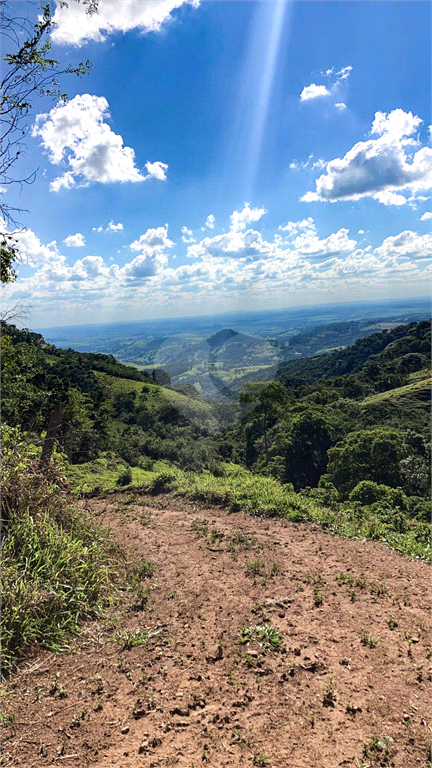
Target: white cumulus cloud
column 156, row 170
column 153, row 240
column 76, row 27
column 210, row 221
column 110, row 228
column 75, row 132
column 142, row 267
column 75, row 241
column 30, row 249
column 292, row 227
column 225, row 266
column 240, row 219
column 426, row 216
column 309, row 245
column 379, row 168
column 407, row 244
column 233, row 245
column 187, row 235
column 314, row 92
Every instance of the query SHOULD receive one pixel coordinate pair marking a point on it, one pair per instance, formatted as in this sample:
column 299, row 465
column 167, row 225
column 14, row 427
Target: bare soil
column 193, row 695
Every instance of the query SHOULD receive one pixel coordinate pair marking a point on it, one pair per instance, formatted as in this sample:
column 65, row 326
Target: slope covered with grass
column 58, row 567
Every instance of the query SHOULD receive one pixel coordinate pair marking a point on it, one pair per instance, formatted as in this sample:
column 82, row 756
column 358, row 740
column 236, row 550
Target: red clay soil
column 350, row 685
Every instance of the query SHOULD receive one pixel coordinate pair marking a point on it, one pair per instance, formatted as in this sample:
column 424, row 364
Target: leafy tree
column 30, row 71
column 269, row 403
column 161, row 377
column 306, row 455
column 369, row 454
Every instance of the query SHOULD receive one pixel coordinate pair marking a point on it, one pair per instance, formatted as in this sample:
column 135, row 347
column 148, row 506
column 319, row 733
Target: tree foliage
column 29, row 71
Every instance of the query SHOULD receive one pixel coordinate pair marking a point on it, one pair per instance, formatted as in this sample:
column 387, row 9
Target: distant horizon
column 242, row 312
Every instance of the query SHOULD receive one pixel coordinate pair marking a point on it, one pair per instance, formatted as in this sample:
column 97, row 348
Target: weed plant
column 266, row 635
column 329, row 695
column 367, row 640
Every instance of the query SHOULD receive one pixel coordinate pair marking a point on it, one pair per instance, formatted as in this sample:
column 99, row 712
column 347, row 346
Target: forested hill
column 405, row 339
column 106, row 406
column 350, row 437
column 348, row 427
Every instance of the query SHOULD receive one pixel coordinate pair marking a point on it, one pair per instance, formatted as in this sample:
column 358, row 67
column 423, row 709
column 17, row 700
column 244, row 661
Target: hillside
column 328, row 338
column 343, row 362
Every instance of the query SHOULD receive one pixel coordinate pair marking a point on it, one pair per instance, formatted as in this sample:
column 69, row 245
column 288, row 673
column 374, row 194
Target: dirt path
column 192, row 695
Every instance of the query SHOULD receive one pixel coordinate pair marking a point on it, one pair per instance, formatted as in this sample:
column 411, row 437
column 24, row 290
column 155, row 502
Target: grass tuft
column 58, row 567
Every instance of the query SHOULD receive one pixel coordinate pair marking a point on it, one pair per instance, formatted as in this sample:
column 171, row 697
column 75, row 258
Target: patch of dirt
column 347, row 684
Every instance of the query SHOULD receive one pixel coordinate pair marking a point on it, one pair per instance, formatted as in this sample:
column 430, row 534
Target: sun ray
column 256, row 84
column 278, row 11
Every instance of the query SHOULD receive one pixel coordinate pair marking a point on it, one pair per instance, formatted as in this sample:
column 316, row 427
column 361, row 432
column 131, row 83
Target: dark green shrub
column 162, row 483
column 125, row 478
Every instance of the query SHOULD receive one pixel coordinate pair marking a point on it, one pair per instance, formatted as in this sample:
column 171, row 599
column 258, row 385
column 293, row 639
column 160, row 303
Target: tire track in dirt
column 349, row 687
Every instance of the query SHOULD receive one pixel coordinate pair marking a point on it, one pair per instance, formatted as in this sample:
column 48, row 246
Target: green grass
column 58, row 566
column 424, row 373
column 265, row 497
column 416, row 394
column 116, row 385
column 196, row 410
column 239, row 489
column 102, row 476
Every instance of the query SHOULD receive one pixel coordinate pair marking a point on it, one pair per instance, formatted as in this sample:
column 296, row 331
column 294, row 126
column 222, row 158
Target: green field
column 414, row 395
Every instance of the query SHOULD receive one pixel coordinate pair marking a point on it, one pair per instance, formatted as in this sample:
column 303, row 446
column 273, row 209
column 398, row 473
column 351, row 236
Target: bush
column 125, row 478
column 366, row 492
column 162, row 483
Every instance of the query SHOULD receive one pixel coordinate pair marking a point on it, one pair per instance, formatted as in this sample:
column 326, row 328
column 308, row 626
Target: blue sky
column 228, row 155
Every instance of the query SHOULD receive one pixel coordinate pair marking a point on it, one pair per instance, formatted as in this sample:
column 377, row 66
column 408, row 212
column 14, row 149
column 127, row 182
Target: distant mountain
column 221, row 337
column 329, row 338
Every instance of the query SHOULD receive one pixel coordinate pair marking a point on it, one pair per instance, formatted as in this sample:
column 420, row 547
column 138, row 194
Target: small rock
column 125, row 730
column 182, row 711
column 138, row 713
column 143, row 747
column 297, row 651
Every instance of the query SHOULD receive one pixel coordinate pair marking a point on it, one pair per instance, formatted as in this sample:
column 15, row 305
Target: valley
column 217, row 355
